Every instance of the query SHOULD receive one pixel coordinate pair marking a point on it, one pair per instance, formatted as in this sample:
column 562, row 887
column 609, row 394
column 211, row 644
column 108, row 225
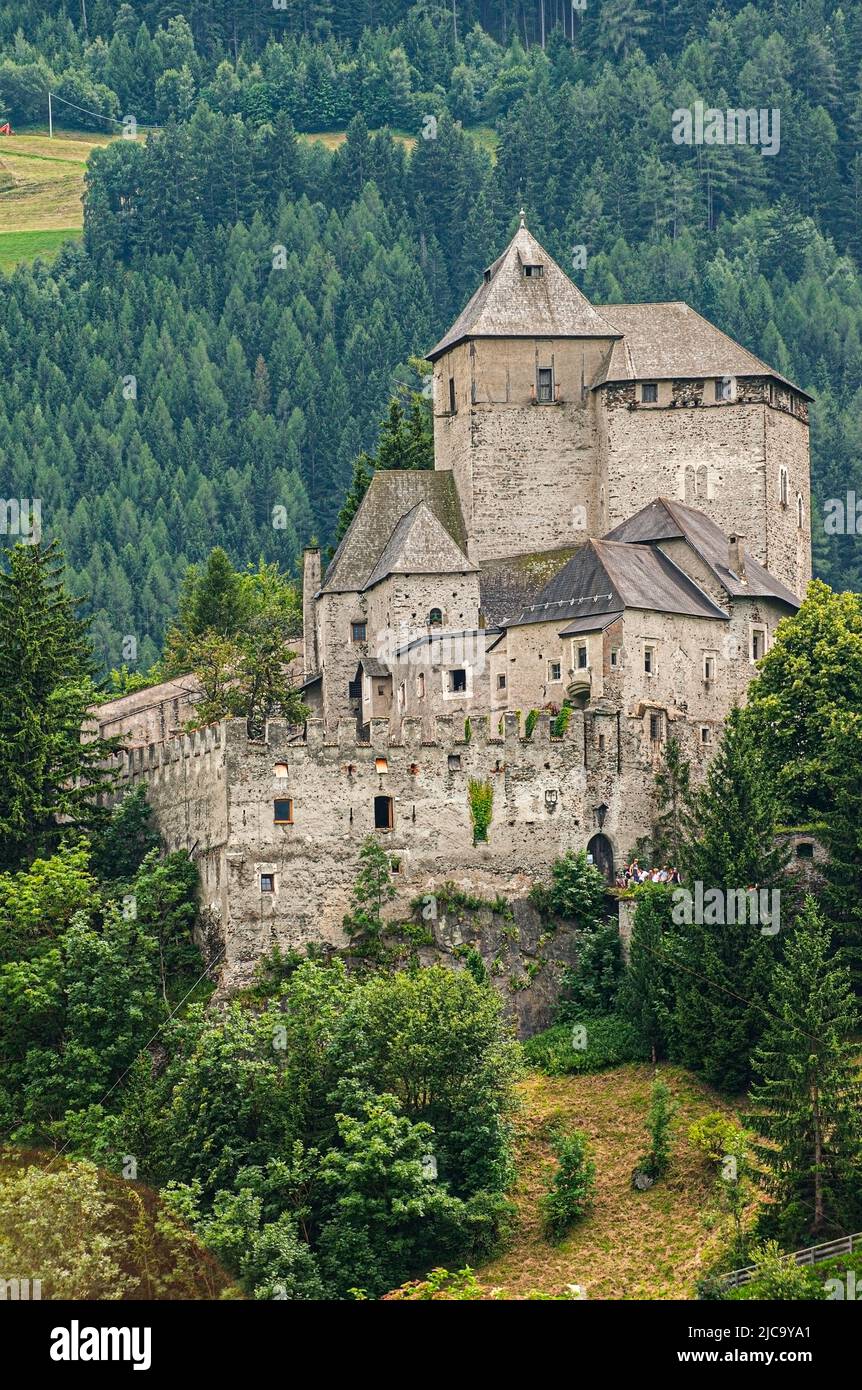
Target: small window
column 705, row 734
column 533, row 272
column 383, row 809
column 420, row 686
column 581, row 656
column 357, row 631
column 800, row 511
column 381, row 765
column 649, row 392
column 283, row 811
column 783, row 486
column 708, row 666
column 758, row 643
column 402, row 695
column 454, row 762
column 280, row 770
column 656, row 727
column 601, row 743
column 501, row 682
column 354, row 689
column 458, row 680
column 452, row 408
column 267, row 883
column 724, row 388
column 615, row 658
column 805, row 850
column 649, row 661
column 554, row 672
column 435, row 617
column 545, row 385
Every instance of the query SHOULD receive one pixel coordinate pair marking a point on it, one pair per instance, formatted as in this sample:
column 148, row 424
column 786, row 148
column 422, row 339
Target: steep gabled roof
column 419, row 545
column 606, row 577
column 510, row 304
column 665, row 341
column 390, row 495
column 666, row 519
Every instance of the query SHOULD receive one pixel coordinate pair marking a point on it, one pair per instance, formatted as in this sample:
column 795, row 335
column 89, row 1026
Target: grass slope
column 633, row 1245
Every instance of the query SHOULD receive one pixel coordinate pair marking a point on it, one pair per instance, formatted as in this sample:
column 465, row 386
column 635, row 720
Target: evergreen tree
column 50, row 780
column 674, row 806
column 648, row 989
column 807, row 1098
column 725, row 966
column 842, row 833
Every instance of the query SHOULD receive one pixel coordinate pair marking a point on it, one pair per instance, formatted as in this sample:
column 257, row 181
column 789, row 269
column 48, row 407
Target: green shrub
column 481, row 807
column 561, row 723
column 714, row 1134
column 571, row 1194
column 530, row 723
column 587, row 1046
column 662, row 1110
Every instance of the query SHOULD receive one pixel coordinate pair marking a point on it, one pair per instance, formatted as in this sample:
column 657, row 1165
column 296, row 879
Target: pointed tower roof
column 419, row 545
column 525, row 294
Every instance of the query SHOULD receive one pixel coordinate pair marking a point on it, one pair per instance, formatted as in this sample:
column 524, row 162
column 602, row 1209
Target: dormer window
column 533, row 271
column 649, row 392
column 487, row 277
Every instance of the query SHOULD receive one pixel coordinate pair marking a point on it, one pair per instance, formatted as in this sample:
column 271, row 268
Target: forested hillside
column 244, row 305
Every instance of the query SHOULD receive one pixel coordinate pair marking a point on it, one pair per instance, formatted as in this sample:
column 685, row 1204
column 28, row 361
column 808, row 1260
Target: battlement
column 153, row 759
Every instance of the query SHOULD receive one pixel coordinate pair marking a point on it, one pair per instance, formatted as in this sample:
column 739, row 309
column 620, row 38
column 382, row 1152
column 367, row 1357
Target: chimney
column 736, row 559
column 311, row 576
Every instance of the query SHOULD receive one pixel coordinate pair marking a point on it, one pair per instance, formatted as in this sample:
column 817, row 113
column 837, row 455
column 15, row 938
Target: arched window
column 435, row 617
column 800, row 511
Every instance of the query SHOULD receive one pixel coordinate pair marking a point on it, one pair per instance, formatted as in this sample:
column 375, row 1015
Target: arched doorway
column 602, row 851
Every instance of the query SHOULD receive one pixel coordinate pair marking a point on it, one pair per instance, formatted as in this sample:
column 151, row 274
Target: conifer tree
column 807, row 1098
column 725, row 967
column 49, row 779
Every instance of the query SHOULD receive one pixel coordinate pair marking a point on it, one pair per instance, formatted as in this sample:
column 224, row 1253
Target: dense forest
column 207, row 366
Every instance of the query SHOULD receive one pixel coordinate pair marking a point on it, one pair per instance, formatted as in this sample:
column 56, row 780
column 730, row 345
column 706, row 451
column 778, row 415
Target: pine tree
column 674, row 802
column 50, row 780
column 842, row 833
column 807, row 1097
column 725, row 967
column 647, row 993
column 372, row 890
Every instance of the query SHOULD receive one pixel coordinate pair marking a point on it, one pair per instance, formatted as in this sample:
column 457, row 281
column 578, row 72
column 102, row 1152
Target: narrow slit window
column 451, row 395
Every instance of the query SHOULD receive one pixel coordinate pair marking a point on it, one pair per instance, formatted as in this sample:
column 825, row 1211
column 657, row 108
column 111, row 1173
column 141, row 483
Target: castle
column 617, row 520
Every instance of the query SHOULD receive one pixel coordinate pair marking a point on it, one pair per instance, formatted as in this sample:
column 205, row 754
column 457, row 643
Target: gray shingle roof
column 665, row 341
column 510, row 304
column 590, row 623
column 605, row 577
column 419, row 545
column 666, row 519
column 508, row 586
column 390, row 495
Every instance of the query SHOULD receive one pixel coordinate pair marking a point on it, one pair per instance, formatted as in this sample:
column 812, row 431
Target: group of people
column 633, row 873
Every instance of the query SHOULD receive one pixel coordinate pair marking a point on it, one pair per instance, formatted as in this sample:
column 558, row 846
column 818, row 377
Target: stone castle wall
column 213, row 794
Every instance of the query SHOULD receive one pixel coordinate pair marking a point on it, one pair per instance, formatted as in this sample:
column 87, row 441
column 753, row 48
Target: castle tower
column 514, row 418
column 559, row 420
